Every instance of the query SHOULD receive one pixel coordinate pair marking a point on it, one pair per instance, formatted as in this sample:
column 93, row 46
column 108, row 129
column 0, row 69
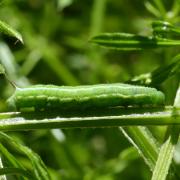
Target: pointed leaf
column 167, row 149
column 159, row 75
column 8, row 30
column 124, row 41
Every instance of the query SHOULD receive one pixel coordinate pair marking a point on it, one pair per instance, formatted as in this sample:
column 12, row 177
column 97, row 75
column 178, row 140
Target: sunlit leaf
column 8, row 30
column 39, row 169
column 124, row 41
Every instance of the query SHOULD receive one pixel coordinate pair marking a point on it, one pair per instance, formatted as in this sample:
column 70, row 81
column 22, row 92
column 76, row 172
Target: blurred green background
column 56, row 50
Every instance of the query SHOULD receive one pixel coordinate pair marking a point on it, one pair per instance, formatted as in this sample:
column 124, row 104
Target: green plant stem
column 25, row 121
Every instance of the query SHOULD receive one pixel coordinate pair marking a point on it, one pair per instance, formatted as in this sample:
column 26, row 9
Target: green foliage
column 6, row 29
column 57, row 50
column 124, row 41
column 158, row 75
column 39, row 170
column 2, row 70
column 63, row 3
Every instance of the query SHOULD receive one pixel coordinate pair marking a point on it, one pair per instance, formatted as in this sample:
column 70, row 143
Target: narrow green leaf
column 175, row 8
column 160, row 5
column 142, row 139
column 8, row 30
column 163, row 29
column 39, row 169
column 4, row 171
column 11, row 160
column 159, row 75
column 167, row 149
column 152, row 9
column 124, row 41
column 165, row 155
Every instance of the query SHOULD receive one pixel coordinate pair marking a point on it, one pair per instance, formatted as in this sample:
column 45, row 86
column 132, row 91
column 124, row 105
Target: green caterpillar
column 41, row 97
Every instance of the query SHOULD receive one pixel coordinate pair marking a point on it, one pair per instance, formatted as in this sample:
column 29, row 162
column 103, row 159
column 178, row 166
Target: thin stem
column 22, row 121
